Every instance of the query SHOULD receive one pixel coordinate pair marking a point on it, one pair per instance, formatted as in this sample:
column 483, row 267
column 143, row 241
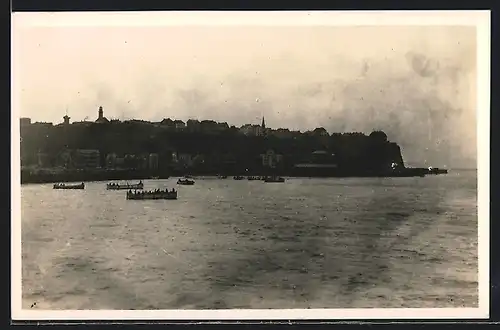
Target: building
column 43, row 159
column 82, row 123
column 174, row 158
column 245, row 129
column 100, row 117
column 271, row 159
column 42, row 125
column 320, row 131
column 64, row 159
column 119, row 162
column 320, row 163
column 111, row 160
column 131, row 161
column 153, row 161
column 193, row 125
column 208, row 126
column 24, row 121
column 66, row 120
column 168, row 123
column 322, row 157
column 142, row 161
column 282, row 133
column 252, row 130
column 87, row 158
column 179, row 124
column 258, row 130
column 185, row 160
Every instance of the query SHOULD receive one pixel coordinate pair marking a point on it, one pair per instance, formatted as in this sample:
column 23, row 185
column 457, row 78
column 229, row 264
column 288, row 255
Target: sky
column 416, row 83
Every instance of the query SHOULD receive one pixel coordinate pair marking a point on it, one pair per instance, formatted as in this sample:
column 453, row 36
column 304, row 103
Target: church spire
column 263, row 122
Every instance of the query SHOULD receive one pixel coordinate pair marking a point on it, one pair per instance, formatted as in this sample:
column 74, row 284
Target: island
column 135, row 149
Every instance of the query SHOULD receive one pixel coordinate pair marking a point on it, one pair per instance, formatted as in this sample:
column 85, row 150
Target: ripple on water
column 329, row 243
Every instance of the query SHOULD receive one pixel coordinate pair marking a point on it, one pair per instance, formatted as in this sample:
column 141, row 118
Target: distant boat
column 116, row 186
column 238, row 177
column 274, row 179
column 155, row 177
column 185, row 182
column 437, row 170
column 153, row 194
column 69, row 186
column 222, row 176
column 251, row 178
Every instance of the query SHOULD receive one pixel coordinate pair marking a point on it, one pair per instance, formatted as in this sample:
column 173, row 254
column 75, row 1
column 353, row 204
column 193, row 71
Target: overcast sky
column 415, row 83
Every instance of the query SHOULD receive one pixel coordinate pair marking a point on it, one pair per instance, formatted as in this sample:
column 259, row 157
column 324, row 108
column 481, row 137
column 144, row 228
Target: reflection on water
column 305, row 243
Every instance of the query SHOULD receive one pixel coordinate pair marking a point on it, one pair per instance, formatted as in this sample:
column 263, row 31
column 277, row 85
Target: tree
column 378, row 136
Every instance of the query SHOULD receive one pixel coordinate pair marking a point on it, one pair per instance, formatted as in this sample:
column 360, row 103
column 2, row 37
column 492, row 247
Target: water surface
column 305, row 243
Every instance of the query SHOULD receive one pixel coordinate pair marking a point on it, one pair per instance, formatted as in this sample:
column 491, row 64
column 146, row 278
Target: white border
column 480, row 19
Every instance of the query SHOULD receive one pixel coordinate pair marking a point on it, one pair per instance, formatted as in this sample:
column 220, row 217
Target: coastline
column 47, row 176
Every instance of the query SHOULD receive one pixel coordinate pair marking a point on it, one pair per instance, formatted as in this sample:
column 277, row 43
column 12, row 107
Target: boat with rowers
column 238, row 177
column 127, row 186
column 274, row 179
column 436, row 170
column 69, row 186
column 185, row 182
column 152, row 194
column 253, row 178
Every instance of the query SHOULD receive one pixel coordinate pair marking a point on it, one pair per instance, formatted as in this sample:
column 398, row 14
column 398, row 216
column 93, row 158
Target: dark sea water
column 305, row 243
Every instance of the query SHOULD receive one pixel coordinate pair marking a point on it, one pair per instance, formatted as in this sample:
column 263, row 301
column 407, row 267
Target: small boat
column 222, row 176
column 153, row 194
column 252, row 178
column 274, row 179
column 437, row 170
column 69, row 186
column 185, row 182
column 238, row 177
column 116, row 186
column 155, row 177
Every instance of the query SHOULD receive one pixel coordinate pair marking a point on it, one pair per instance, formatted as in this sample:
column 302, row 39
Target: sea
column 226, row 244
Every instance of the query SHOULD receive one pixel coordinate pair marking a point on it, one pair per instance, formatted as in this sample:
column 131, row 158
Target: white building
column 111, row 160
column 153, row 161
column 252, row 130
column 271, row 159
column 87, row 158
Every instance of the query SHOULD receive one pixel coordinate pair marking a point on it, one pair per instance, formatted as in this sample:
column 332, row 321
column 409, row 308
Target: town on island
column 135, row 149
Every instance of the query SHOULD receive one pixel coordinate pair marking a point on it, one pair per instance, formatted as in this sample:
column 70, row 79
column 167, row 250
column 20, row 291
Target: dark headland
column 126, row 150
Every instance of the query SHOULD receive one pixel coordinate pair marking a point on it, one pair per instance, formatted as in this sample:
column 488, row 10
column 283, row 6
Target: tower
column 66, row 119
column 101, row 119
column 263, row 122
column 100, row 113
